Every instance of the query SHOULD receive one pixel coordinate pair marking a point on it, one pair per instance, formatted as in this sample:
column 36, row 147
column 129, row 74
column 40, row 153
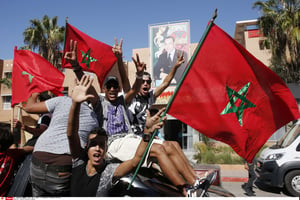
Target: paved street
column 233, row 176
column 235, row 188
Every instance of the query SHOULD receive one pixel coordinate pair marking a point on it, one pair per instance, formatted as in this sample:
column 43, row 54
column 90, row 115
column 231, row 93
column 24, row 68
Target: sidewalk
column 233, row 173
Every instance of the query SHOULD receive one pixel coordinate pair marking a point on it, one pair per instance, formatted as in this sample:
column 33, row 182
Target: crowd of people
column 80, row 134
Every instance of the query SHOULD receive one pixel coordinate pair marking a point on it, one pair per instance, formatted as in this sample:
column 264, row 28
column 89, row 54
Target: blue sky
column 128, row 19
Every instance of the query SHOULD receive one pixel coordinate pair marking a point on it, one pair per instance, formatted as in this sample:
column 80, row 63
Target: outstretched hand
column 117, row 48
column 140, row 66
column 155, row 122
column 71, row 56
column 79, row 93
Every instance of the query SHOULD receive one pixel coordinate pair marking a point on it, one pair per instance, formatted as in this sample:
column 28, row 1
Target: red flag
column 230, row 96
column 33, row 73
column 92, row 55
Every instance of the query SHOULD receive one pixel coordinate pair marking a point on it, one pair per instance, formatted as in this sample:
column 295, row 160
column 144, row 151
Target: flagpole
column 20, row 118
column 67, row 19
column 191, row 61
column 12, row 119
column 175, row 92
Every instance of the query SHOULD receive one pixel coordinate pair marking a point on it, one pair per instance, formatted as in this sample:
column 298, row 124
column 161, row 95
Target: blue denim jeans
column 49, row 180
column 21, row 180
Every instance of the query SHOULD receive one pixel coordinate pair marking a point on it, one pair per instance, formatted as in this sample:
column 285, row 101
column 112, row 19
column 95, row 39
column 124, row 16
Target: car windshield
column 290, row 136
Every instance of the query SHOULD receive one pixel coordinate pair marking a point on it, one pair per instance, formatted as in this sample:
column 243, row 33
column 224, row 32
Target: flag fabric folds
column 230, row 96
column 92, row 55
column 33, row 73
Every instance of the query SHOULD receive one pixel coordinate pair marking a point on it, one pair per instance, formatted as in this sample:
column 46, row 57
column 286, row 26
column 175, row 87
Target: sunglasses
column 109, row 86
column 147, row 81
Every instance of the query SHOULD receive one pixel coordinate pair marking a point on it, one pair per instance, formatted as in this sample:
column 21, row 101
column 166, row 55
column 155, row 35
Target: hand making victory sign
column 140, row 67
column 117, row 49
column 71, row 56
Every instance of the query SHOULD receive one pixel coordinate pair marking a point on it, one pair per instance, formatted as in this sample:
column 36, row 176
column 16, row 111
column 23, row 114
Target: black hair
column 147, row 74
column 99, row 131
column 6, row 139
column 44, row 96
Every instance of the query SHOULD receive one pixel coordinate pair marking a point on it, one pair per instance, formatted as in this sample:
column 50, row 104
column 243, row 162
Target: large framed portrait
column 167, row 41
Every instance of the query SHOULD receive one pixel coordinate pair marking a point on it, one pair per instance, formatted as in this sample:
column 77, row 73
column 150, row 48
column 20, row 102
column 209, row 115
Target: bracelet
column 137, row 76
column 146, row 137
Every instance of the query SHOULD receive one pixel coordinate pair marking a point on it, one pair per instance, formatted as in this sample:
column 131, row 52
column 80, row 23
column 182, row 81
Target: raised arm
column 78, row 96
column 166, row 82
column 71, row 57
column 117, row 50
column 35, row 107
column 153, row 123
column 34, row 131
column 140, row 67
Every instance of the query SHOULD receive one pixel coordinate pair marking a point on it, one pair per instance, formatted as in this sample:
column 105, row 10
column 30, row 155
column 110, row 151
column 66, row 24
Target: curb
column 234, row 179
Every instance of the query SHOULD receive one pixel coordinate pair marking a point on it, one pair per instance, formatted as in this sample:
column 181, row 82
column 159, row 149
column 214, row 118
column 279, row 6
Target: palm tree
column 6, row 82
column 46, row 37
column 280, row 24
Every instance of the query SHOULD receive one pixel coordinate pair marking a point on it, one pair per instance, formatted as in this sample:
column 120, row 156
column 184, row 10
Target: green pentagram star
column 86, row 58
column 29, row 75
column 245, row 103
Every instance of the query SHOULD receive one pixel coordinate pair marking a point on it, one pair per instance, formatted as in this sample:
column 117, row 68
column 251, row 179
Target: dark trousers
column 49, row 180
column 21, row 180
column 252, row 176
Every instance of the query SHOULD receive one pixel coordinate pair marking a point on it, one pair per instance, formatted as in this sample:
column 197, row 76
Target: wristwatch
column 146, row 137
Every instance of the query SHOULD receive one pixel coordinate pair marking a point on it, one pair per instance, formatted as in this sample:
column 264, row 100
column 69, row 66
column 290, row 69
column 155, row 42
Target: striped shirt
column 115, row 120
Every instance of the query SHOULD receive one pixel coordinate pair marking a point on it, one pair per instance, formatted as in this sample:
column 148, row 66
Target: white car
column 279, row 165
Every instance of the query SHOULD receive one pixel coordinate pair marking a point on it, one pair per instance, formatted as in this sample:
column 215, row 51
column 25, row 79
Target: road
column 260, row 190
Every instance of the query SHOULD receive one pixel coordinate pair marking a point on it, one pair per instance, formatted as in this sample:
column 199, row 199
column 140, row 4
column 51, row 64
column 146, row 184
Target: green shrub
column 209, row 157
column 216, row 154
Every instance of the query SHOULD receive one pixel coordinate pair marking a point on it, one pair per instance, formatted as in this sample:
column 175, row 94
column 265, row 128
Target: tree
column 280, row 23
column 6, row 82
column 46, row 37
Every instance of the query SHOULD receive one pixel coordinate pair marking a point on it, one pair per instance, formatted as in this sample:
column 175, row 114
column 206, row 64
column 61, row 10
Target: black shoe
column 243, row 185
column 249, row 193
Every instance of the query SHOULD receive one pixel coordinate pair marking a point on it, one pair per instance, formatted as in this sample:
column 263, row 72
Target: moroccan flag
column 92, row 55
column 230, row 96
column 33, row 73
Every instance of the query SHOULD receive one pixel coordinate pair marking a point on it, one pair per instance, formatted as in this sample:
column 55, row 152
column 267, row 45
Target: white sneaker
column 198, row 183
column 191, row 192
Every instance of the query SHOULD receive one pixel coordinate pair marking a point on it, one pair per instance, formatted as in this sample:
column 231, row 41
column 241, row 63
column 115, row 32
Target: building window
column 187, row 138
column 175, row 130
column 6, row 102
column 8, row 75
